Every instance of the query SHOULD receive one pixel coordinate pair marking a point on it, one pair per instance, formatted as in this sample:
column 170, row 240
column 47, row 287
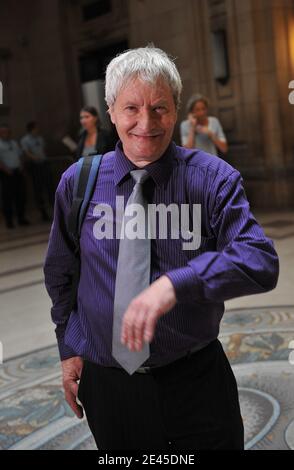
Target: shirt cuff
column 186, row 284
column 65, row 352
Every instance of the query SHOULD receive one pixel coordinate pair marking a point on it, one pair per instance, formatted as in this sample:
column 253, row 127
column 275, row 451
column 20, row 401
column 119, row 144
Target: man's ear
column 111, row 114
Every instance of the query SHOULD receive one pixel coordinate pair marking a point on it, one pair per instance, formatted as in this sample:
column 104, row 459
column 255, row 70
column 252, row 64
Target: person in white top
column 200, row 130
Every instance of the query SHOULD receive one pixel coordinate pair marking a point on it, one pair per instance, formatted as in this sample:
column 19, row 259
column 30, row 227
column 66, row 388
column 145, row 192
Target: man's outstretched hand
column 144, row 311
column 71, row 370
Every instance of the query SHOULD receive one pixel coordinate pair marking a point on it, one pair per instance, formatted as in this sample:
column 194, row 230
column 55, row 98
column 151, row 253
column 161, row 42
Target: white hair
column 148, row 63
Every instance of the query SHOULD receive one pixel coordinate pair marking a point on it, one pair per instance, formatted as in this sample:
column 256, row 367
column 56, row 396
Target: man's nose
column 146, row 119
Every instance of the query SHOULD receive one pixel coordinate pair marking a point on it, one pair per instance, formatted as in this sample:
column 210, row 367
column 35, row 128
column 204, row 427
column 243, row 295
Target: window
column 220, row 58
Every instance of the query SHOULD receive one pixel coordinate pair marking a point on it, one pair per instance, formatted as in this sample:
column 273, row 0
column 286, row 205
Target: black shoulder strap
column 84, row 182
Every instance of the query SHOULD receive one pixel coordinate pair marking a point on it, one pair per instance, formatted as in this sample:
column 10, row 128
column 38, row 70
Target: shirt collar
column 159, row 170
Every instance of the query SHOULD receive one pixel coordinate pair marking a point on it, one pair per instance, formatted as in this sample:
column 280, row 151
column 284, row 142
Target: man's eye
column 131, row 108
column 160, row 108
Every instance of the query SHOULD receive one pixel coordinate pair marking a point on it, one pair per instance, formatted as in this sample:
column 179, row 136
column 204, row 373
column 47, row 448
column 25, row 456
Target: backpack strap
column 84, row 182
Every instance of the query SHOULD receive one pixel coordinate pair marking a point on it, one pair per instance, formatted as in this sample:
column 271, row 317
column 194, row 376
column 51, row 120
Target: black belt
column 149, row 369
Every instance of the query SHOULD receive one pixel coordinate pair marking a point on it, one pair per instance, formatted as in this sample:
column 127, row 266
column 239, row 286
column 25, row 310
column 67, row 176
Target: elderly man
column 142, row 341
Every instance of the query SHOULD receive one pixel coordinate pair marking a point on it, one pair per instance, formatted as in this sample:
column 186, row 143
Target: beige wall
column 38, row 78
column 253, row 105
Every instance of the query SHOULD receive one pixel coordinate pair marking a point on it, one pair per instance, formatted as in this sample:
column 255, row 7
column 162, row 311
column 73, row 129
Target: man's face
column 4, row 133
column 144, row 116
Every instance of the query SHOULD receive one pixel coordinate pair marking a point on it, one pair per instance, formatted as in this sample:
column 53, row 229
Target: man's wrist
column 169, row 288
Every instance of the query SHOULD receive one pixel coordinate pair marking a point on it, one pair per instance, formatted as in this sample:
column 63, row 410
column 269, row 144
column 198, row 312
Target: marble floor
column 256, row 332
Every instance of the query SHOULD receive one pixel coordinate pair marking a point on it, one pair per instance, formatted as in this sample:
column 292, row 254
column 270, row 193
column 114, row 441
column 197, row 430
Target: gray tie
column 132, row 276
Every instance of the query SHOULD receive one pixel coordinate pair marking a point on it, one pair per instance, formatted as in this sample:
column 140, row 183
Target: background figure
column 33, row 146
column 94, row 139
column 200, row 130
column 12, row 179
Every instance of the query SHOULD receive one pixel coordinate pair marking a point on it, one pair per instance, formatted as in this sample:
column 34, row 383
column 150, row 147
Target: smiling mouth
column 146, row 136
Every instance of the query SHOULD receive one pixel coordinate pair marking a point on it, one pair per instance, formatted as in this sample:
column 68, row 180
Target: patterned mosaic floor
column 34, row 414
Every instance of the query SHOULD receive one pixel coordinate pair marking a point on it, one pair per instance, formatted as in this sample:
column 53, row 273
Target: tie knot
column 139, row 175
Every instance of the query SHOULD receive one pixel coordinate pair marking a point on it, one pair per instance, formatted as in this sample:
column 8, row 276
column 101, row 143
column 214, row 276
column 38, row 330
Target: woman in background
column 200, row 130
column 94, row 139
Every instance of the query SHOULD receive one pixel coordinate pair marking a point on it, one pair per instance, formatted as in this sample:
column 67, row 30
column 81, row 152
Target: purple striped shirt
column 235, row 257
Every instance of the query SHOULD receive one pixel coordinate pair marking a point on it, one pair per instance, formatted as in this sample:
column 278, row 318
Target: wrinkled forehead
column 137, row 87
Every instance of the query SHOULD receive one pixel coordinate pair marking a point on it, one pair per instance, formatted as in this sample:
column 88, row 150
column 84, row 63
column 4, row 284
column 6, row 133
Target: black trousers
column 191, row 403
column 42, row 184
column 13, row 194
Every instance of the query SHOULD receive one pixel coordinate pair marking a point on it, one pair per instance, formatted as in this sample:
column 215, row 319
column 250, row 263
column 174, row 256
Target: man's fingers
column 149, row 327
column 74, row 388
column 71, row 400
column 71, row 391
column 139, row 326
column 126, row 333
column 133, row 328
